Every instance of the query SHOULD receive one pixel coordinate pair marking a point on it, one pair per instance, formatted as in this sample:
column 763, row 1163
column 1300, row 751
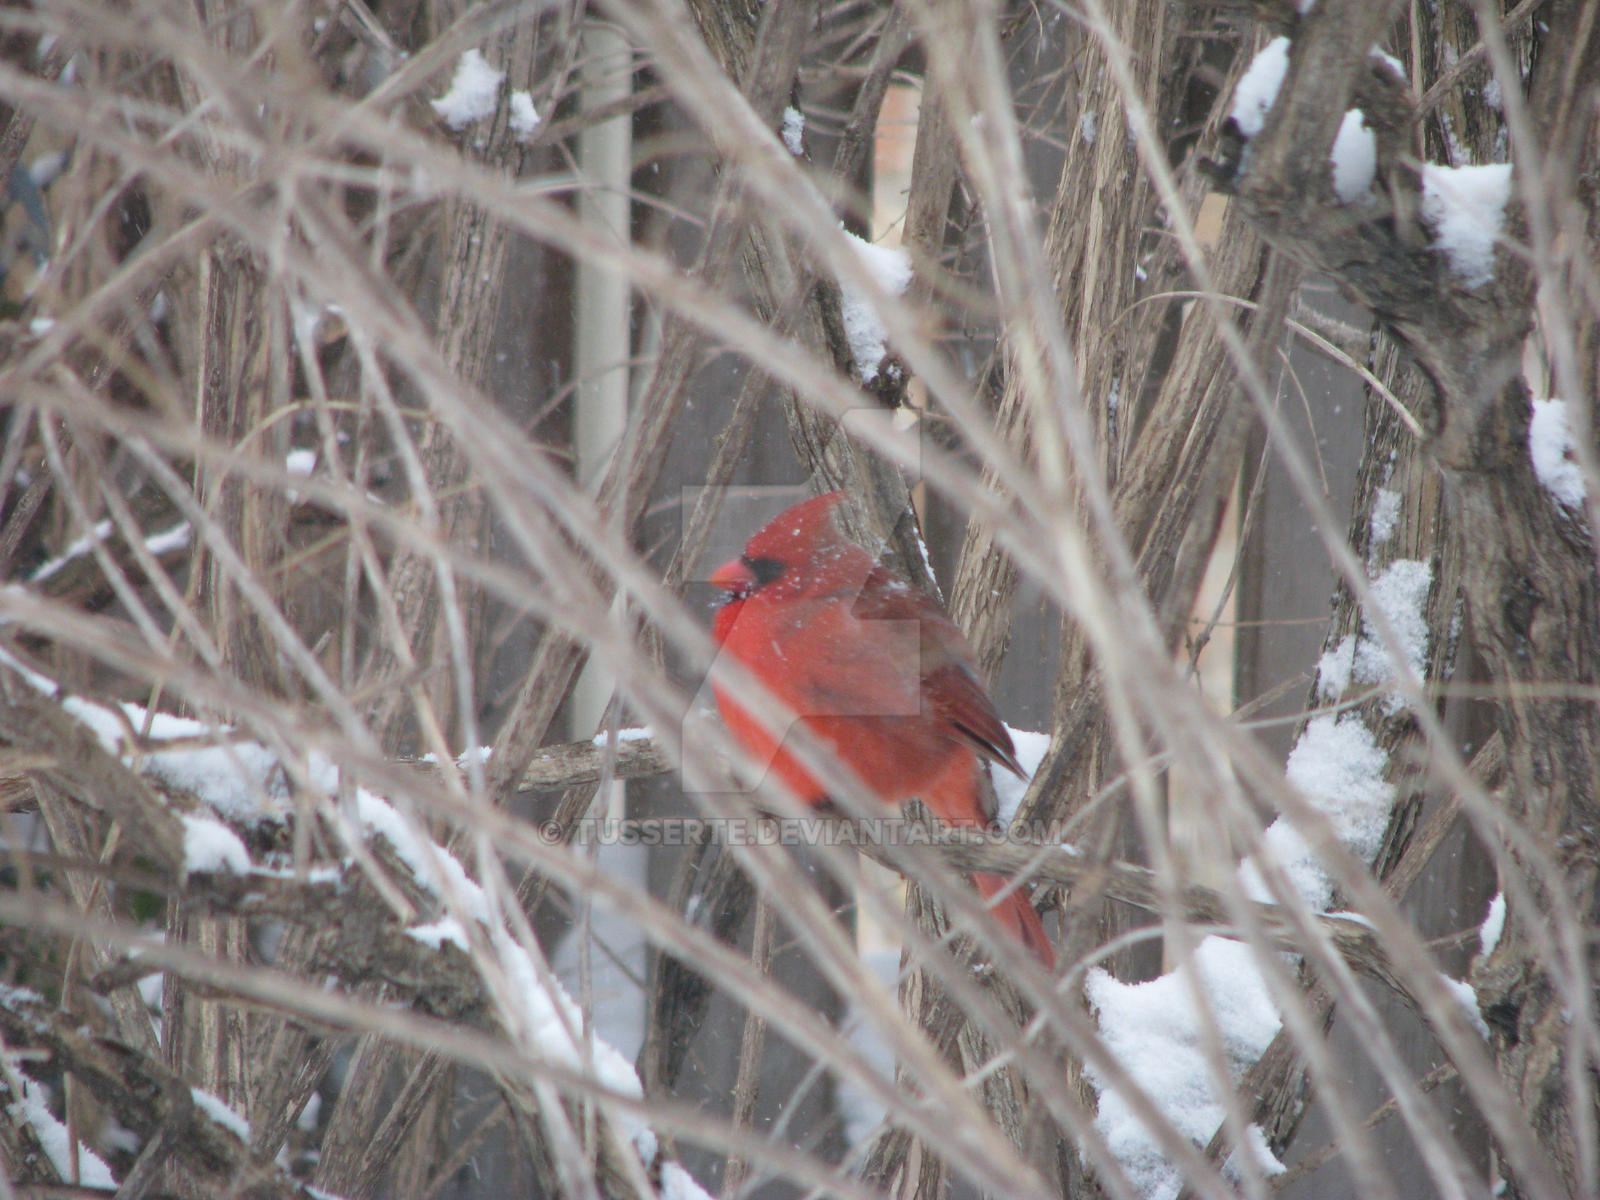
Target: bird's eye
column 764, row 569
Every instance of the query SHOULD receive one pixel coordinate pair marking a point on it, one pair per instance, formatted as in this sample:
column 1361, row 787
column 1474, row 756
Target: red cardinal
column 876, row 671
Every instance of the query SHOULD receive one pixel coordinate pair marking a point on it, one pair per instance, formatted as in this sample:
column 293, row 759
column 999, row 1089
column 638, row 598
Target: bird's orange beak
column 734, row 578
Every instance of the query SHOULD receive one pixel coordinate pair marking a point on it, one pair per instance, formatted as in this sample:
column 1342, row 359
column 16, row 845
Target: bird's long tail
column 1017, row 914
column 954, row 796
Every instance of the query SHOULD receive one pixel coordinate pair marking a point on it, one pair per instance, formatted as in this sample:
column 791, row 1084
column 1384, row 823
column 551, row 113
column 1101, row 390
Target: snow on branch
column 1258, row 88
column 890, row 268
column 165, row 543
column 454, row 955
column 1550, row 446
column 1466, row 207
column 1156, row 1034
column 1400, row 594
column 474, row 89
column 194, row 1129
column 1339, row 767
column 238, row 786
column 30, row 1108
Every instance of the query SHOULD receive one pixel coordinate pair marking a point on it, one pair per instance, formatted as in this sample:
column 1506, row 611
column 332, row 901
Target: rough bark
column 1528, row 568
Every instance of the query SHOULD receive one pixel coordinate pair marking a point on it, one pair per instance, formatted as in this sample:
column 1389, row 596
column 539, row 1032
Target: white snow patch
column 440, row 932
column 1390, row 61
column 1463, row 992
column 33, row 1107
column 1087, row 127
column 152, row 991
column 1401, row 594
column 1338, row 766
column 221, row 1113
column 1385, row 514
column 12, row 997
column 1156, row 1034
column 890, row 267
column 1494, row 924
column 1466, row 207
column 482, row 754
column 1282, row 845
column 1258, row 88
column 39, row 326
column 636, row 733
column 473, row 91
column 427, row 860
column 156, row 543
column 553, row 1025
column 210, row 846
column 1354, row 157
column 302, row 463
column 1334, row 668
column 794, row 130
column 1255, row 1141
column 233, row 778
column 678, row 1184
column 927, row 559
column 83, row 545
column 1550, row 447
column 1008, row 789
column 524, row 116
column 168, row 540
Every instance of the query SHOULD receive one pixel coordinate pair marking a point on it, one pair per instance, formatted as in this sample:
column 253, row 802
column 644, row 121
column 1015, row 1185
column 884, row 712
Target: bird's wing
column 949, row 686
column 823, row 661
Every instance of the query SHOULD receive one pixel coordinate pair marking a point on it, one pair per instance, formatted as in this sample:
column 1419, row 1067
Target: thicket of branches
column 324, row 568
